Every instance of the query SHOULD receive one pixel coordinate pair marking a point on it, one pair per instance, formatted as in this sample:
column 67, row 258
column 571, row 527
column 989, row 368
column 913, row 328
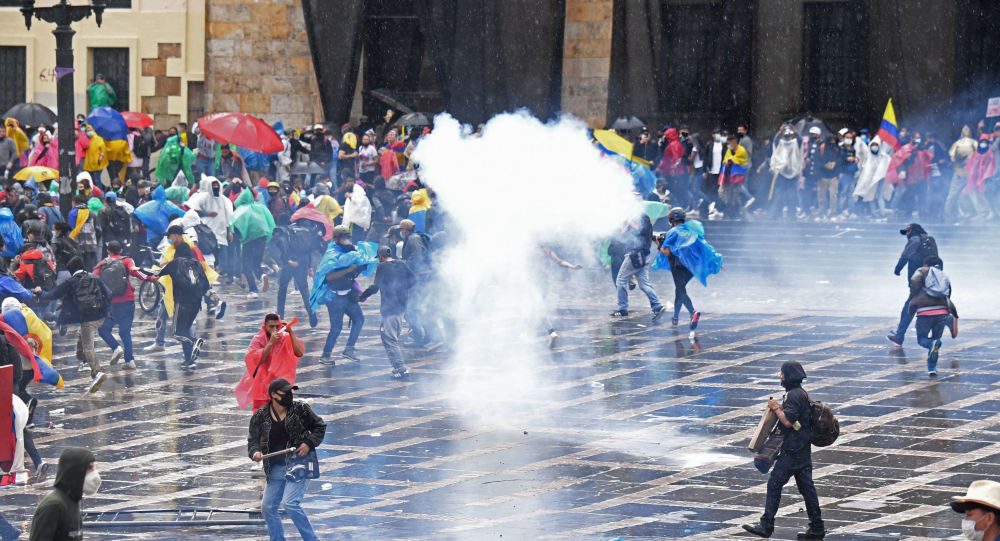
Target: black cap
column 384, row 251
column 175, row 230
column 906, row 230
column 280, row 384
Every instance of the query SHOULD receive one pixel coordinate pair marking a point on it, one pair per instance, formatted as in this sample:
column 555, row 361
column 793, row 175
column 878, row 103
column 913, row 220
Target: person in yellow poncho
column 328, row 205
column 175, row 234
column 118, row 155
column 15, row 132
column 96, row 157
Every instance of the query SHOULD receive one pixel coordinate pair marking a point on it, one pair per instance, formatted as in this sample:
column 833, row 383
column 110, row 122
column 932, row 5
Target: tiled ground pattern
column 643, row 434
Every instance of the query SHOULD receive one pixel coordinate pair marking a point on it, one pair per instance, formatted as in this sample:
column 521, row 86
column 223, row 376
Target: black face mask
column 215, row 191
column 286, row 399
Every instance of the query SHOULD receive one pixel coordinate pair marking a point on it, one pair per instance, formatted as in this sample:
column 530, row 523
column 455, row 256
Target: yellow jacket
column 96, row 157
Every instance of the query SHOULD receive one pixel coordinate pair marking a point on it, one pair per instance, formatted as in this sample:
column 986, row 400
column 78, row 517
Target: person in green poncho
column 101, row 94
column 254, row 225
column 174, row 158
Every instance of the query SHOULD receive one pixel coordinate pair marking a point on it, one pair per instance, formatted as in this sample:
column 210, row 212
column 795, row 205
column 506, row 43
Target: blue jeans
column 122, row 314
column 289, row 495
column 905, row 317
column 338, row 307
column 929, row 330
column 642, row 276
column 164, row 320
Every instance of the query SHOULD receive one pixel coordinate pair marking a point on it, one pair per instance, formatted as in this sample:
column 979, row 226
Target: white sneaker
column 265, row 283
column 252, row 295
column 154, row 347
column 83, row 366
column 129, row 365
column 96, row 384
column 749, row 202
column 553, row 336
column 117, row 355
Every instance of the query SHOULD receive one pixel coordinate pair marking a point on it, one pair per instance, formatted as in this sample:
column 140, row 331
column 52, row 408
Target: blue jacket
column 10, row 287
column 68, row 313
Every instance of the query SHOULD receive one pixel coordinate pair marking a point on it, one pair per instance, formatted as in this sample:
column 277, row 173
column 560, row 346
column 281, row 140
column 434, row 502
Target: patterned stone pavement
column 640, row 431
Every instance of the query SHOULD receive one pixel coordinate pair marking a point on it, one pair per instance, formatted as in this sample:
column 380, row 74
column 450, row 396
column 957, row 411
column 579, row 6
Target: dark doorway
column 835, row 60
column 113, row 63
column 14, row 80
column 977, row 65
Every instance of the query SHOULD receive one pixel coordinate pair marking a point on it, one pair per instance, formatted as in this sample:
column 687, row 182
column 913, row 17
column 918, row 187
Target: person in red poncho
column 274, row 352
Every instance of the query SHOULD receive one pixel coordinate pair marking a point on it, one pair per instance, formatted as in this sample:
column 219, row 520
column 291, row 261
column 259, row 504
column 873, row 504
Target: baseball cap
column 815, row 130
column 280, row 384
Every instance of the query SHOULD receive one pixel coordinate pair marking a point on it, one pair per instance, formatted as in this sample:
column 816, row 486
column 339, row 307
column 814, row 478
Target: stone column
column 777, row 77
column 587, row 60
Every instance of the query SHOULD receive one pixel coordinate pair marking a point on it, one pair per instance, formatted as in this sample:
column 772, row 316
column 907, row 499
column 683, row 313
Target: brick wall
column 258, row 62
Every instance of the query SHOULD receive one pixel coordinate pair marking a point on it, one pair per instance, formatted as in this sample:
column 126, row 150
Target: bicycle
column 150, row 293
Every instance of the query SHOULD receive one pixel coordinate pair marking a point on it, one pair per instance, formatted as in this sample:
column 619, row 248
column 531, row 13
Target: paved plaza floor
column 639, row 430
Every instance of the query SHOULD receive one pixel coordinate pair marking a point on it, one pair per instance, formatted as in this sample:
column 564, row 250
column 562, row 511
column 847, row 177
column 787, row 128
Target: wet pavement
column 640, row 430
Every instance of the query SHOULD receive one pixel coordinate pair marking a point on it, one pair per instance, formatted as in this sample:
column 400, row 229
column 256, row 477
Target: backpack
column 207, row 242
column 141, row 146
column 120, row 222
column 88, row 298
column 927, row 248
column 114, row 274
column 188, row 277
column 825, row 426
column 937, row 284
column 42, row 274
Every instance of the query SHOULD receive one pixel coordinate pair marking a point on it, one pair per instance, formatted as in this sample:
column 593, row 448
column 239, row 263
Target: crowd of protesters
column 817, row 175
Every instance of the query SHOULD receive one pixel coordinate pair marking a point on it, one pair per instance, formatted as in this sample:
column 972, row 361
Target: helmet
column 677, row 214
column 341, row 230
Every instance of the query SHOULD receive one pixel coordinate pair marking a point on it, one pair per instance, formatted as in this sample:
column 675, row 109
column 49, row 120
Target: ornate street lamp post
column 63, row 14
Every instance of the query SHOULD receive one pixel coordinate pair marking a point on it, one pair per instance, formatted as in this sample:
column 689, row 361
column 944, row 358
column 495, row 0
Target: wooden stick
column 770, row 194
column 276, row 453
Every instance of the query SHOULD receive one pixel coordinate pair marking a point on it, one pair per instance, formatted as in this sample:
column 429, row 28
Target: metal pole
column 65, row 102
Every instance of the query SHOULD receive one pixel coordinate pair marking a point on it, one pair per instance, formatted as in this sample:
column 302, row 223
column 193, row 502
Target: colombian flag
column 34, row 340
column 419, row 203
column 888, row 132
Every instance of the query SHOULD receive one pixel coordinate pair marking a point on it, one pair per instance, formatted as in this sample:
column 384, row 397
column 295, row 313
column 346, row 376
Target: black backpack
column 825, row 426
column 120, row 222
column 141, row 146
column 189, row 278
column 42, row 274
column 114, row 274
column 927, row 248
column 207, row 242
column 88, row 297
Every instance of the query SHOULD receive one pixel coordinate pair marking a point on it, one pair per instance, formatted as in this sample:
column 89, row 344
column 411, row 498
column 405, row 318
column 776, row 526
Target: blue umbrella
column 108, row 123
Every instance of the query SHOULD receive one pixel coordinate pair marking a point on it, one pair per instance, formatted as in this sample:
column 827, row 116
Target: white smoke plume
column 522, row 185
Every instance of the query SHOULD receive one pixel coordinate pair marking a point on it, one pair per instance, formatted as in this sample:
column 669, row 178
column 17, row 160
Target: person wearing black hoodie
column 795, row 456
column 57, row 517
column 919, row 246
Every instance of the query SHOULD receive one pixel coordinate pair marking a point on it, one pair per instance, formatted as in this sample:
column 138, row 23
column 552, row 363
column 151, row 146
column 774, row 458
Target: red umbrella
column 310, row 213
column 241, row 130
column 137, row 120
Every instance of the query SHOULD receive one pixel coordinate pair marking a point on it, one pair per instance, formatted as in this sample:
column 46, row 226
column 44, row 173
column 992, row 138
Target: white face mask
column 969, row 531
column 91, row 483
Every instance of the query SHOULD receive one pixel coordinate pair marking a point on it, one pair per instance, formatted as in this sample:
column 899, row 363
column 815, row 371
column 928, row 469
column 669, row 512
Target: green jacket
column 100, row 97
column 57, row 517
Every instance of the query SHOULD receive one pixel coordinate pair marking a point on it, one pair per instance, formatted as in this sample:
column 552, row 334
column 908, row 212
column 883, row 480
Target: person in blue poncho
column 155, row 215
column 685, row 251
column 11, row 233
column 334, row 285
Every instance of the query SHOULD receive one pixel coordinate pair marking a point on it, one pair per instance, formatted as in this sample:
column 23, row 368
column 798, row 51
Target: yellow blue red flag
column 888, row 132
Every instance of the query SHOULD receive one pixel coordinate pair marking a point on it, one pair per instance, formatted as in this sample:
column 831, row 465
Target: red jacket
column 129, row 295
column 672, row 164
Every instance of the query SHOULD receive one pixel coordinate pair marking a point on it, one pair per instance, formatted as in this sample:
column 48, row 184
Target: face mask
column 90, row 134
column 848, row 142
column 969, row 531
column 720, row 139
column 875, row 149
column 286, row 399
column 215, row 191
column 91, row 483
column 916, row 141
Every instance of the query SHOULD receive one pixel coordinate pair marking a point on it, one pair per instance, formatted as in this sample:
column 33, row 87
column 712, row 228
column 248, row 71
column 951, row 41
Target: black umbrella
column 31, row 114
column 803, row 124
column 387, row 97
column 413, row 119
column 627, row 123
column 311, row 168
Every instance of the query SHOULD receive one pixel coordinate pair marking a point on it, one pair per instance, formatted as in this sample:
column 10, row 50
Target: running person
column 685, row 251
column 681, row 274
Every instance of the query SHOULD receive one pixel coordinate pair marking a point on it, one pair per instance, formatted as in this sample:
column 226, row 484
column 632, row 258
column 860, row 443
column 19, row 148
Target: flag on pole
column 888, row 132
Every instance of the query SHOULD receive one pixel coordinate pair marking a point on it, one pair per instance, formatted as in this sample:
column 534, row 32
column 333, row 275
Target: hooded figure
column 873, row 171
column 46, row 152
column 672, row 163
column 155, row 214
column 215, row 209
column 277, row 204
column 979, row 167
column 175, row 159
column 58, row 514
column 251, row 219
column 358, row 209
column 11, row 233
column 177, row 194
column 328, row 205
column 420, row 203
column 280, row 362
column 15, row 132
column 786, row 154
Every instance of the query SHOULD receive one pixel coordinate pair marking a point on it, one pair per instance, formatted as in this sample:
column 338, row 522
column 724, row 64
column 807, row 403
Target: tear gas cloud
column 520, row 186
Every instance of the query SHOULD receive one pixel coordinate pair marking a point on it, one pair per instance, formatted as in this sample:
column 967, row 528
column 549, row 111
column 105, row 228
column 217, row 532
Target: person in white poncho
column 786, row 163
column 357, row 211
column 215, row 211
column 871, row 186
